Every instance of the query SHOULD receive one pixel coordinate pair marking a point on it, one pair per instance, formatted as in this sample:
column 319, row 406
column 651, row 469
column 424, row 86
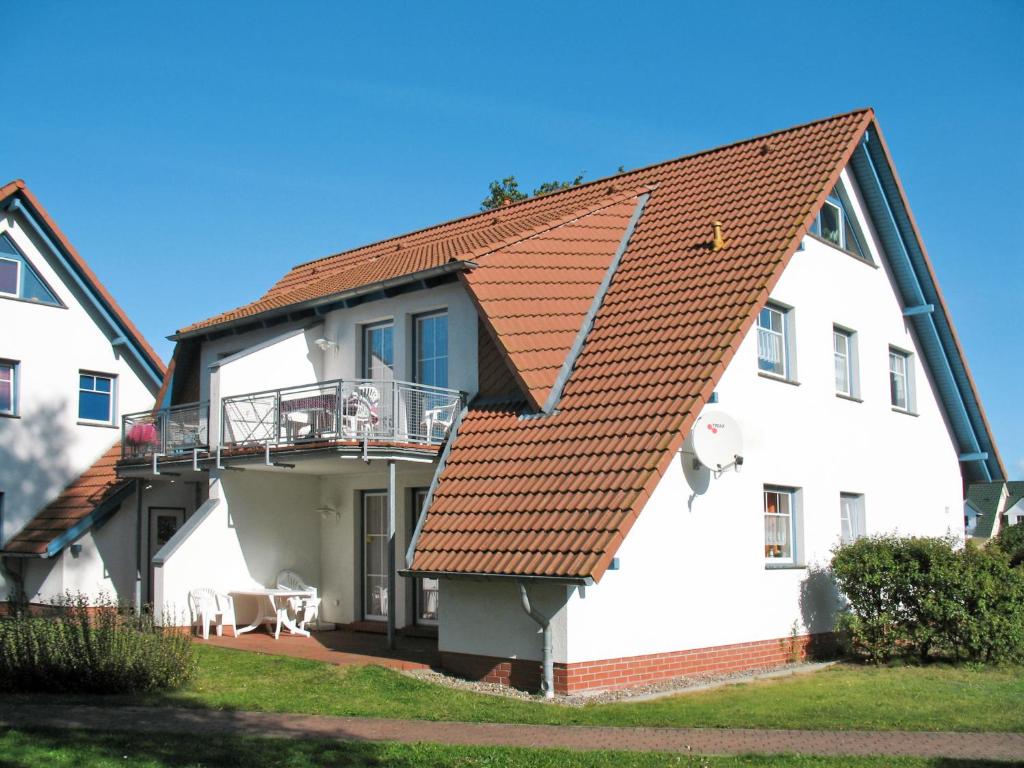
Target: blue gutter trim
column 17, row 205
column 980, row 456
column 921, row 309
column 102, row 511
column 913, row 279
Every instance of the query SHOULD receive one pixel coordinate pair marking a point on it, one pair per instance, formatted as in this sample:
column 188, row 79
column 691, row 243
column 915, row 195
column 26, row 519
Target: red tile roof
column 76, row 502
column 18, row 187
column 555, row 495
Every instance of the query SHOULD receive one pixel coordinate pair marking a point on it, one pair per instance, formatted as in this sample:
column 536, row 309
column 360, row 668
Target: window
column 432, row 349
column 844, row 350
column 900, row 380
column 379, row 352
column 8, row 388
column 779, row 524
column 427, row 591
column 834, row 225
column 96, row 397
column 851, row 517
column 18, row 279
column 773, row 341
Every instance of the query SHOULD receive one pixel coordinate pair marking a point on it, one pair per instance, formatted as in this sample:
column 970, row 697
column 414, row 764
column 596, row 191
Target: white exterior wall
column 692, row 572
column 486, row 618
column 44, row 449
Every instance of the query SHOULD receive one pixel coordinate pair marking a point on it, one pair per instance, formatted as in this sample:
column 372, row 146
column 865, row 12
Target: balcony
column 325, row 412
column 169, row 431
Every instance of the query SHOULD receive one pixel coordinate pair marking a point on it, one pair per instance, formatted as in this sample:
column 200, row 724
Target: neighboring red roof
column 556, row 495
column 79, row 499
column 18, row 187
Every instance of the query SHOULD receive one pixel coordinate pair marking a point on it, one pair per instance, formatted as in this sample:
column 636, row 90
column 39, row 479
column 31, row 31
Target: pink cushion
column 142, row 434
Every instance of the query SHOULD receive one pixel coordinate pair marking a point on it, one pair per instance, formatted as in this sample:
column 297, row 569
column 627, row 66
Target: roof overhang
column 916, row 283
column 583, row 581
column 321, row 305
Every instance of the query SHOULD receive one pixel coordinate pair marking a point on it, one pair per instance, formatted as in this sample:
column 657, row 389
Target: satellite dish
column 718, row 441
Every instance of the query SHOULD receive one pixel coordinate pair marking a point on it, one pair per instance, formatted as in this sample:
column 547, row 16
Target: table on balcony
column 316, row 411
column 271, row 608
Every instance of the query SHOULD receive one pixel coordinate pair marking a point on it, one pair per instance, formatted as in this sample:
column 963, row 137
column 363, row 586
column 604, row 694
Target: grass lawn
column 82, row 749
column 844, row 697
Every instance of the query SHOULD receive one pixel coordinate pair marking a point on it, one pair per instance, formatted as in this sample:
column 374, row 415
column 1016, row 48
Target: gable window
column 96, row 397
column 773, row 341
column 18, row 279
column 901, row 384
column 8, row 388
column 834, row 225
column 851, row 517
column 432, row 349
column 844, row 352
column 779, row 524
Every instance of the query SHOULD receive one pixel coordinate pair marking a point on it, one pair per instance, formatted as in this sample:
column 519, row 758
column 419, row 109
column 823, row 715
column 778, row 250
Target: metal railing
column 350, row 409
column 167, row 431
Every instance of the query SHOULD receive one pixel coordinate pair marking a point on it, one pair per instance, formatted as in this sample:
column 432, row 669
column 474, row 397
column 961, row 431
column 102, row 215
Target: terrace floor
column 340, row 646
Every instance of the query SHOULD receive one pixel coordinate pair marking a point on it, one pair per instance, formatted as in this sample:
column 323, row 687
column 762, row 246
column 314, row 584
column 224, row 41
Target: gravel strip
column 685, row 684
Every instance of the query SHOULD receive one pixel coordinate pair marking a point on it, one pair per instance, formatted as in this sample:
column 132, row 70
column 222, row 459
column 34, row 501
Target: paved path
column 711, row 741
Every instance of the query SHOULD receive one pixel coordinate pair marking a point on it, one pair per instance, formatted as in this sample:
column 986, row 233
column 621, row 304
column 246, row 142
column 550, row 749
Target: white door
column 375, row 556
column 163, row 523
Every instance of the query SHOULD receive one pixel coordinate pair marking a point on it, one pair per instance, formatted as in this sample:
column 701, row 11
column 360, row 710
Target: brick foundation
column 610, row 674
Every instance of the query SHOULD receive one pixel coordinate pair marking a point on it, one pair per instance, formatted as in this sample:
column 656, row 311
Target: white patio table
column 271, row 607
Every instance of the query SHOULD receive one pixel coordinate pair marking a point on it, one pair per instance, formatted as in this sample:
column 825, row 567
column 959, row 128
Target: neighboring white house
column 991, row 506
column 70, row 364
column 485, row 429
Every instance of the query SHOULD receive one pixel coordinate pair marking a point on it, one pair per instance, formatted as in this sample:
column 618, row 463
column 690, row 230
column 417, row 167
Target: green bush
column 73, row 647
column 1011, row 541
column 929, row 598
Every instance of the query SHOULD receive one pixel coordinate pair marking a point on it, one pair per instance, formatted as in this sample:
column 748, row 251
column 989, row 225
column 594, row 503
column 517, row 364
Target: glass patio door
column 426, row 592
column 379, row 352
column 375, row 556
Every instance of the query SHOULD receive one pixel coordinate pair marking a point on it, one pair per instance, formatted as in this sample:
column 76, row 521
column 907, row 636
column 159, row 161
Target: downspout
column 548, row 682
column 138, row 547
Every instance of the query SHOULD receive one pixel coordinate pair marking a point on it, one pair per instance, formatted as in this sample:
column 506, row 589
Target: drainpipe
column 548, row 683
column 138, row 547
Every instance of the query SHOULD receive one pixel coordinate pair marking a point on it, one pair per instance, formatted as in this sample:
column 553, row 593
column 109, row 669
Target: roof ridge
column 584, row 185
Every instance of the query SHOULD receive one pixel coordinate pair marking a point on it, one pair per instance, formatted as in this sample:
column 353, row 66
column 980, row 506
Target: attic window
column 835, row 226
column 19, row 279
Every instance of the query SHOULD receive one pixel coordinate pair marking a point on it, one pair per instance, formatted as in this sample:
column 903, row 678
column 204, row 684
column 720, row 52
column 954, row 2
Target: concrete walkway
column 709, row 741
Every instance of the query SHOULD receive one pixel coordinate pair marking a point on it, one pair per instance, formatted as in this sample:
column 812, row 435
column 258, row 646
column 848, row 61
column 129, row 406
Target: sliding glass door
column 375, row 555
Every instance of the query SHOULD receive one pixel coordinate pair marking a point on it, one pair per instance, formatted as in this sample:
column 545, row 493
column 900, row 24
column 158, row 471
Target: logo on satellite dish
column 717, row 442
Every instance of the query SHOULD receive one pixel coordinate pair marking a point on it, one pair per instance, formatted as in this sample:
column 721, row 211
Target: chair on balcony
column 306, row 609
column 362, row 411
column 207, row 606
column 443, row 416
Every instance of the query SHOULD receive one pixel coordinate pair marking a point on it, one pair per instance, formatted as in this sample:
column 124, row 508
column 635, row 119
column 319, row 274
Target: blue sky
column 194, row 151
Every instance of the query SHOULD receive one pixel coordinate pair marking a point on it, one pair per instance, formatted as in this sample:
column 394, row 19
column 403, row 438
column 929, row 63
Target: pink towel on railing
column 143, row 434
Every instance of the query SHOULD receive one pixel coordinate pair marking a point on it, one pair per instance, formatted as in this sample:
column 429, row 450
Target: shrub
column 1011, row 541
column 927, row 597
column 77, row 648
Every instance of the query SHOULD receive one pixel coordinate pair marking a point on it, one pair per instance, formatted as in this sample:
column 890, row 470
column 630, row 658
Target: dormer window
column 834, row 225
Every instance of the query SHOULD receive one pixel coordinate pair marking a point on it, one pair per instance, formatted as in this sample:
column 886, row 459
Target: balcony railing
column 168, row 431
column 351, row 409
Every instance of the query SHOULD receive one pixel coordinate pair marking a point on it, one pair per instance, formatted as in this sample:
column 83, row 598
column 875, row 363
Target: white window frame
column 17, row 278
column 785, row 340
column 847, row 534
column 13, row 365
column 852, row 362
column 908, row 379
column 791, row 495
column 417, row 351
column 112, row 409
column 366, row 365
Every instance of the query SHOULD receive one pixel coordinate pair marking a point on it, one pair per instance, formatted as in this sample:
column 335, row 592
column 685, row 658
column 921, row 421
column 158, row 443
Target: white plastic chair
column 305, row 609
column 363, row 410
column 443, row 416
column 207, row 607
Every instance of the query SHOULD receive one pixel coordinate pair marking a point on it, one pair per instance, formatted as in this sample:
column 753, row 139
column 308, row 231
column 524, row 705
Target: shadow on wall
column 34, row 467
column 820, row 601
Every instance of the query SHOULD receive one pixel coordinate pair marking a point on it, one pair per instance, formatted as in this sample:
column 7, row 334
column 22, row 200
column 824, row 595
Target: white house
column 71, row 363
column 991, row 506
column 485, row 430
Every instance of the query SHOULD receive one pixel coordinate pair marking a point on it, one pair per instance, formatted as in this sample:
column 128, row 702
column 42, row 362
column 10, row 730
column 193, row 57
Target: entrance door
column 163, row 523
column 426, row 591
column 375, row 556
